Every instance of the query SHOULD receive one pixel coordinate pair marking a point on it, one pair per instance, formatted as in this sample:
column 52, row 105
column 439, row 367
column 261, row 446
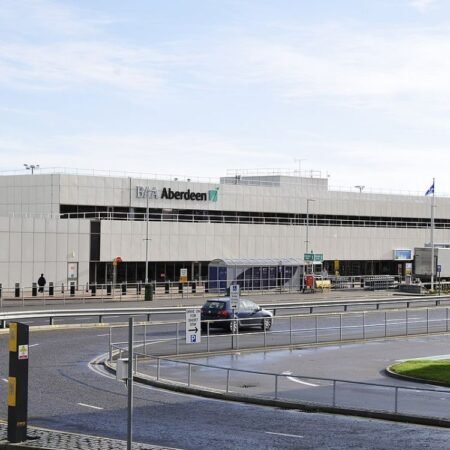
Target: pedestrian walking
column 41, row 283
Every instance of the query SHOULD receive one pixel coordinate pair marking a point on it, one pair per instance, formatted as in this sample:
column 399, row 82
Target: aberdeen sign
column 169, row 194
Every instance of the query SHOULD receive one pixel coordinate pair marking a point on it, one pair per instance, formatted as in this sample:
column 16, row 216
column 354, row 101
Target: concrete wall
column 31, row 246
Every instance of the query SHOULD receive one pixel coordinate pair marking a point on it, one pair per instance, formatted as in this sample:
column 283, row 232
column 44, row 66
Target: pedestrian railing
column 153, row 342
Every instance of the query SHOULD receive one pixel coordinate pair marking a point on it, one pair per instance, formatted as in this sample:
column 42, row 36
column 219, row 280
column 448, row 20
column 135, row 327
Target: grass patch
column 426, row 369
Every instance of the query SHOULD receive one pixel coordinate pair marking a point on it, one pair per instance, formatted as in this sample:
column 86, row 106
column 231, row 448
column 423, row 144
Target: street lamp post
column 148, row 289
column 307, row 223
column 308, row 200
column 146, row 244
column 31, row 167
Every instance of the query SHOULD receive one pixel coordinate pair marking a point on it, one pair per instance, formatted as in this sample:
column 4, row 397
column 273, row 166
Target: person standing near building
column 41, row 283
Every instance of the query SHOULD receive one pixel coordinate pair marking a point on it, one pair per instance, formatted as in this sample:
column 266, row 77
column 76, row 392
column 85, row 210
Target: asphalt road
column 66, row 394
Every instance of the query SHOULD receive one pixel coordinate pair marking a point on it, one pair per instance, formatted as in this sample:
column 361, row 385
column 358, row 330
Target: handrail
column 104, row 312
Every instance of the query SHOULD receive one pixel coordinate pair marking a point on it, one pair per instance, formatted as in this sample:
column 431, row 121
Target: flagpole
column 432, row 237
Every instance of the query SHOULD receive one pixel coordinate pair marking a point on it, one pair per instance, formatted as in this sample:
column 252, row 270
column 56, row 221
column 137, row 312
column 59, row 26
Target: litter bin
column 17, row 290
column 108, row 289
column 148, row 293
column 34, row 290
column 93, row 289
column 124, row 289
column 51, row 289
column 72, row 288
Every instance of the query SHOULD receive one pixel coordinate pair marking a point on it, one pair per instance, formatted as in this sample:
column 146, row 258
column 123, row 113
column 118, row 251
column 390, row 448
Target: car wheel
column 266, row 324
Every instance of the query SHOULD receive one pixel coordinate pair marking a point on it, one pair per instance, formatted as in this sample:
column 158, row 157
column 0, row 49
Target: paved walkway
column 55, row 440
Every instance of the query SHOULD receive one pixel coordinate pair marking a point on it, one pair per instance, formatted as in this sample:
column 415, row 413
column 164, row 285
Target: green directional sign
column 313, row 257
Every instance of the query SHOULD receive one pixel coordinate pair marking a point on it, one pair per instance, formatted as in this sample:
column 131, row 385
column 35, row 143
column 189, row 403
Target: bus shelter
column 258, row 274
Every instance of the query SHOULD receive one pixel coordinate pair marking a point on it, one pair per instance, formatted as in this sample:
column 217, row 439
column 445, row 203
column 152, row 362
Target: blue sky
column 358, row 90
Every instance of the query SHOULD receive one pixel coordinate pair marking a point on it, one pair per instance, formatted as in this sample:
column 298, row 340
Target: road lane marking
column 296, row 380
column 33, row 345
column 5, row 380
column 89, row 406
column 286, row 435
column 102, row 335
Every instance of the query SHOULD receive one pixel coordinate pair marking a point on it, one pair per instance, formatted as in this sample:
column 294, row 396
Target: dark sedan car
column 219, row 312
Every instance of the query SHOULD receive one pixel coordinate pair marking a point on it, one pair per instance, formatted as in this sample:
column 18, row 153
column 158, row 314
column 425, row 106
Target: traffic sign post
column 193, row 326
column 18, row 382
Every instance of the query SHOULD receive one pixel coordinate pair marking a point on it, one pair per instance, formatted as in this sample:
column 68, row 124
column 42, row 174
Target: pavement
column 36, row 303
column 45, row 439
column 39, row 438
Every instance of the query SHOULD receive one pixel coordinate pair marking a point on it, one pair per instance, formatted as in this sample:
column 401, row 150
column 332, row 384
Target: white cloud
column 44, row 19
column 160, row 154
column 346, row 64
column 59, row 66
column 422, row 5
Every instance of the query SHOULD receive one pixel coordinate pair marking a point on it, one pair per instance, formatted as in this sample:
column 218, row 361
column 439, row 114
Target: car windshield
column 214, row 305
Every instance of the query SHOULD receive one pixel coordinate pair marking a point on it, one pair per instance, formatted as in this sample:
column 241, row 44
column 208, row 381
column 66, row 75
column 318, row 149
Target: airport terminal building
column 74, row 227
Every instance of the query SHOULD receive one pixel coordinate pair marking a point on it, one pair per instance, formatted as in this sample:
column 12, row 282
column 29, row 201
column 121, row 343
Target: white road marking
column 33, row 345
column 102, row 335
column 286, row 435
column 296, row 380
column 5, row 380
column 89, row 406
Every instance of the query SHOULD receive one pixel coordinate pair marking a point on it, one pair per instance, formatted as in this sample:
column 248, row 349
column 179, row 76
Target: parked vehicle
column 220, row 312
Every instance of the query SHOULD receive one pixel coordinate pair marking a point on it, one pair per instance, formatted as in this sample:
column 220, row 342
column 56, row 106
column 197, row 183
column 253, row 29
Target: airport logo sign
column 170, row 194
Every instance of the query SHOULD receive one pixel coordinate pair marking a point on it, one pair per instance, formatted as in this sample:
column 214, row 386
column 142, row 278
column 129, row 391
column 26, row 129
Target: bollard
column 33, row 289
column 124, row 289
column 72, row 288
column 108, row 289
column 62, row 288
column 93, row 289
column 51, row 288
column 17, row 290
column 148, row 292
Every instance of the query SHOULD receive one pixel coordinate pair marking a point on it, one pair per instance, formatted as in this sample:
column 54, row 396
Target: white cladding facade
column 35, row 238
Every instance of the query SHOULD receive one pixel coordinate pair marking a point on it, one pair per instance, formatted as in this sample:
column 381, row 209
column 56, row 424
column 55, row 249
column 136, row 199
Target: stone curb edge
column 389, row 372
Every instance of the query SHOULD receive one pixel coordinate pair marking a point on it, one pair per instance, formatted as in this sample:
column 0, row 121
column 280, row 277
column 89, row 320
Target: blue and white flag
column 430, row 190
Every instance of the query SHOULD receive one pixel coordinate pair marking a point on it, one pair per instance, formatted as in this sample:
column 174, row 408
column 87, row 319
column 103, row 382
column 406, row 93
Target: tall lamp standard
column 31, row 167
column 146, row 242
column 148, row 290
column 308, row 200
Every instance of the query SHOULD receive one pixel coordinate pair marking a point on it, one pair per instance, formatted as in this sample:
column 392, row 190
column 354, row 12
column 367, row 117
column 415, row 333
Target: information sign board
column 193, row 326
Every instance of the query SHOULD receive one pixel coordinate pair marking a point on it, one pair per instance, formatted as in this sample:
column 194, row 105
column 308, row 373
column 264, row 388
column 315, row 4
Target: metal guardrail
column 298, row 330
column 101, row 313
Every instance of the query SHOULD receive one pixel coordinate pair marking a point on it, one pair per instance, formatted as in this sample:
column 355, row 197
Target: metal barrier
column 291, row 331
